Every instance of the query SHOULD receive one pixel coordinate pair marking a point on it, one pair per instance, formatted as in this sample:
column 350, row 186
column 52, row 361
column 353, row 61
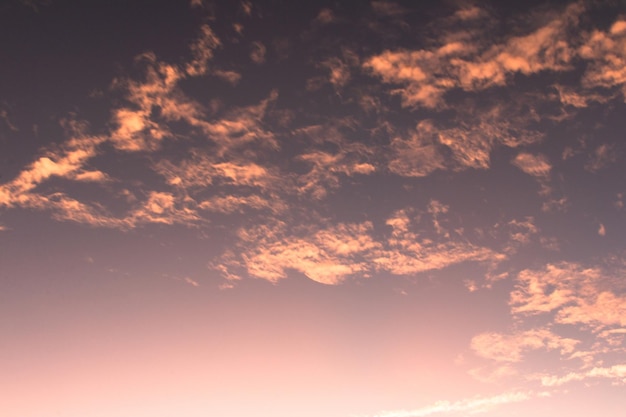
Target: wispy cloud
column 615, row 372
column 468, row 406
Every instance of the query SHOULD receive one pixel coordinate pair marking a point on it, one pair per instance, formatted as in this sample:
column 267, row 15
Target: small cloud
column 238, row 27
column 602, row 230
column 191, row 282
column 257, row 53
column 537, row 166
column 230, row 76
column 4, row 116
column 246, row 7
column 325, row 16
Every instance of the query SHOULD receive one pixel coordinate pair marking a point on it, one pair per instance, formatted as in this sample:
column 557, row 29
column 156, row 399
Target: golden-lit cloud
column 426, row 75
column 606, row 52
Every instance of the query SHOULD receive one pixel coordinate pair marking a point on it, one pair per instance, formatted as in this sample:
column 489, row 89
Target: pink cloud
column 537, row 166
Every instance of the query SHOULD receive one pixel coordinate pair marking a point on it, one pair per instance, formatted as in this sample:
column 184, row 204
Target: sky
column 326, row 208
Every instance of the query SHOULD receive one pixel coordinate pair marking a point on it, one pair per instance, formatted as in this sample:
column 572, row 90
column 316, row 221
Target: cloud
column 418, row 155
column 4, row 116
column 615, row 372
column 231, row 204
column 468, row 406
column 202, row 170
column 326, row 256
column 331, row 254
column 325, row 16
column 66, row 162
column 325, row 170
column 202, row 50
column 257, row 52
column 577, row 311
column 330, row 158
column 537, row 166
column 468, row 146
column 165, row 208
column 406, row 253
column 232, row 77
column 606, row 52
column 239, row 127
column 575, row 295
column 470, row 13
column 426, row 75
column 512, row 347
column 602, row 156
column 522, row 230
